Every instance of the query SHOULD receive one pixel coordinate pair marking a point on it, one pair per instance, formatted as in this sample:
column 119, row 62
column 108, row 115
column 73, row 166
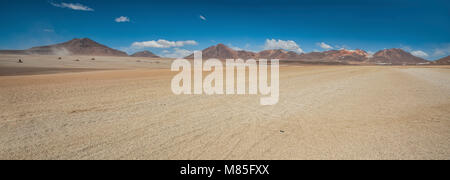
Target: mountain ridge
column 358, row 56
column 86, row 46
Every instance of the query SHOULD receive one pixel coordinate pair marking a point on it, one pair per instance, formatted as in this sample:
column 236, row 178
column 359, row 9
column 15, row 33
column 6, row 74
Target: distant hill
column 221, row 51
column 444, row 60
column 336, row 56
column 144, row 54
column 278, row 54
column 396, row 56
column 83, row 46
column 343, row 56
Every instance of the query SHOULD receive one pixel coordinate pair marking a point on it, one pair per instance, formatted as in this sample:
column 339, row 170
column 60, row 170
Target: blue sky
column 420, row 27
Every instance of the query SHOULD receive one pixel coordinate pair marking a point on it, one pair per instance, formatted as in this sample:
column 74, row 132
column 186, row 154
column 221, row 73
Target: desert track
column 325, row 112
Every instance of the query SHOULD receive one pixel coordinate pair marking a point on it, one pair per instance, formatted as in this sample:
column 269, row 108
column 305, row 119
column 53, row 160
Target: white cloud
column 177, row 53
column 246, row 48
column 324, row 45
column 406, row 48
column 203, row 18
column 371, row 53
column 419, row 53
column 163, row 44
column 342, row 47
column 442, row 51
column 122, row 19
column 234, row 47
column 76, row 6
column 280, row 44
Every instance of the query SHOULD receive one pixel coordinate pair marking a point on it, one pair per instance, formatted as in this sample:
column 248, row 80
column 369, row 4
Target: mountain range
column 387, row 56
column 89, row 47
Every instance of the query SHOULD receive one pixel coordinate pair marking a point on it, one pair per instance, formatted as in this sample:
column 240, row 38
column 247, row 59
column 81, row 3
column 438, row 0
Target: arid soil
column 126, row 110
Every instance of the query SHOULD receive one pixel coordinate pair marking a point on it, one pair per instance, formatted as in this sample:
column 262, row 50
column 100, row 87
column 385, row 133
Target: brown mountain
column 221, row 51
column 247, row 55
column 445, row 60
column 73, row 47
column 144, row 54
column 396, row 56
column 278, row 54
column 336, row 56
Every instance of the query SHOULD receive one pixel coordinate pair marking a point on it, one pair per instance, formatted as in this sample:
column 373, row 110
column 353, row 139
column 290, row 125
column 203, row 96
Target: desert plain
column 123, row 108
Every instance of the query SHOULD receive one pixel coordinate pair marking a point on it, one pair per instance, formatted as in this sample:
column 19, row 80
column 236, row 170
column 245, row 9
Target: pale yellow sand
column 326, row 112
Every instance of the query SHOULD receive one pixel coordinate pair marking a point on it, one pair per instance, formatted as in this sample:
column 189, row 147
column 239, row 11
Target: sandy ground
column 33, row 65
column 325, row 112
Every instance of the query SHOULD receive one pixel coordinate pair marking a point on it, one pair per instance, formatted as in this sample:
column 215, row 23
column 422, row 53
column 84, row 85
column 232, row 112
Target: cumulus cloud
column 281, row 44
column 177, row 53
column 324, row 45
column 122, row 19
column 76, row 6
column 419, row 53
column 163, row 44
column 202, row 17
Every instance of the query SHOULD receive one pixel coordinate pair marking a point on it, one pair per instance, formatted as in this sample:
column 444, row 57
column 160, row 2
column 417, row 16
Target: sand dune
column 325, row 112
